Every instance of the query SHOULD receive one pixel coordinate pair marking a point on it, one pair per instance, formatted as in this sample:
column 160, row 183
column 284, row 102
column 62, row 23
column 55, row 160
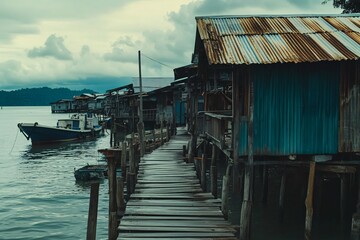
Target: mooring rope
column 17, row 133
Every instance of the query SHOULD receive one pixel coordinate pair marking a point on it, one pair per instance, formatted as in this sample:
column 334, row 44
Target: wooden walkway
column 168, row 202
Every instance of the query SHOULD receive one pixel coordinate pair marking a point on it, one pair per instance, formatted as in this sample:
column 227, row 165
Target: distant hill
column 37, row 96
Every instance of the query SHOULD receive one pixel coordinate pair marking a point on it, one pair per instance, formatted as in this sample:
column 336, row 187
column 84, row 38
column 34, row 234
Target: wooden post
column 141, row 118
column 137, row 158
column 120, row 196
column 167, row 132
column 203, row 171
column 93, row 209
column 225, row 192
column 184, row 151
column 236, row 102
column 343, row 196
column 203, row 166
column 193, row 124
column 128, row 185
column 191, row 149
column 112, row 130
column 213, row 172
column 132, row 167
column 141, row 138
column 309, row 201
column 112, row 231
column 355, row 223
column 246, row 208
column 161, row 129
column 265, row 184
column 153, row 136
column 123, row 159
column 319, row 190
column 282, row 196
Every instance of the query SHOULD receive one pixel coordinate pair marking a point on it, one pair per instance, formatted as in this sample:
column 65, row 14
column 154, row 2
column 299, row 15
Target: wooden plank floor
column 168, row 202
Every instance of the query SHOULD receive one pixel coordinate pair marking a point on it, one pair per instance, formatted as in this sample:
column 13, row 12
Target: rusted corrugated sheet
column 349, row 128
column 293, row 39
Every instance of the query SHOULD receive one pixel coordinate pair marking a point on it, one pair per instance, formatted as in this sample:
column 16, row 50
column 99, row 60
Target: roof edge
column 279, row 16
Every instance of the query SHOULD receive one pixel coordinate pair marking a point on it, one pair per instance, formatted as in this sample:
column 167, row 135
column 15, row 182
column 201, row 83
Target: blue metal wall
column 180, row 112
column 296, row 109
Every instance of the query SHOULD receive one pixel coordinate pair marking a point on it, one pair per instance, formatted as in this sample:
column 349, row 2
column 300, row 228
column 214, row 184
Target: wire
column 157, row 61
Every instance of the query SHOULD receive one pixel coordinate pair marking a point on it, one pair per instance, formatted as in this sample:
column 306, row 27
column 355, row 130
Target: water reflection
column 65, row 149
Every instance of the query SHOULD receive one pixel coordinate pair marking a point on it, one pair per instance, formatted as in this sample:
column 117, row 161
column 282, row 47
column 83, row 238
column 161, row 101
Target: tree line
column 37, row 96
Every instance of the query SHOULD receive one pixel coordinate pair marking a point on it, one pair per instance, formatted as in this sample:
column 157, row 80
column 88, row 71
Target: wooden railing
column 217, row 126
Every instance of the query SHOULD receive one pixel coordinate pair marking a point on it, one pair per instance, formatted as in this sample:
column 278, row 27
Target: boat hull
column 41, row 134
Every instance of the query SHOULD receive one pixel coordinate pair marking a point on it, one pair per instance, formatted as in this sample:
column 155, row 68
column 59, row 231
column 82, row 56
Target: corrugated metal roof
column 266, row 39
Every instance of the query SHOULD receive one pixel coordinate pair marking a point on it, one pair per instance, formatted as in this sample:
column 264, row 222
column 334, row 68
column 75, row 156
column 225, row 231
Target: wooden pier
column 168, row 202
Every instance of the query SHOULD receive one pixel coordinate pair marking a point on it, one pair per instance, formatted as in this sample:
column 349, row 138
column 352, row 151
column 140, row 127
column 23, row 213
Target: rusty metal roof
column 279, row 39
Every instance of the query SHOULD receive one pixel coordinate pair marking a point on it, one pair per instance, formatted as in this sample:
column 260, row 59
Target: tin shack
column 280, row 90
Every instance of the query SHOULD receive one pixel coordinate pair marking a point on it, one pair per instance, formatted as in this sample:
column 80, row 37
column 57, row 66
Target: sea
column 39, row 197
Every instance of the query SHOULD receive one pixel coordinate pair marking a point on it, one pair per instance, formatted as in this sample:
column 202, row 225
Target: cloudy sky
column 93, row 44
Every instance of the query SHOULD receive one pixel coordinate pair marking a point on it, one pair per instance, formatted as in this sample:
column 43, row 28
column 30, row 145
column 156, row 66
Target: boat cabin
column 79, row 122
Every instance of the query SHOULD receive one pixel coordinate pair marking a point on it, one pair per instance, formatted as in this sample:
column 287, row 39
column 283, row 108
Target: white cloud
column 103, row 38
column 54, row 47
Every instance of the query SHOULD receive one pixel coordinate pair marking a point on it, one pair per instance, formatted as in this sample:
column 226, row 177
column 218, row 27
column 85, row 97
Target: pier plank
column 186, row 203
column 177, row 223
column 172, row 235
column 175, row 238
column 168, row 202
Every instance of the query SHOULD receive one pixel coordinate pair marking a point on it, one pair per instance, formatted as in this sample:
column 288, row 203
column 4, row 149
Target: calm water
column 39, row 198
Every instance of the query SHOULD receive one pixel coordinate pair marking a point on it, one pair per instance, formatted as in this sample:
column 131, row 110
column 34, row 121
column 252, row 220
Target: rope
column 17, row 133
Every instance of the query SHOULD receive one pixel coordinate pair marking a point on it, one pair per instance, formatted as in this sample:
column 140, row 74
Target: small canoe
column 91, row 172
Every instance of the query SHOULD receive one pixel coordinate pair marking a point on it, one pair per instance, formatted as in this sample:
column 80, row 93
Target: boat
column 93, row 172
column 90, row 173
column 78, row 126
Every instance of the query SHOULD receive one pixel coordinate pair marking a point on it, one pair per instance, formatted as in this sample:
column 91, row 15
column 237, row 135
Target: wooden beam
column 336, row 168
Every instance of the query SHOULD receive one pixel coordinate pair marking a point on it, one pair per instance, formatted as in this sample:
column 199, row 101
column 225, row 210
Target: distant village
column 83, row 103
column 164, row 99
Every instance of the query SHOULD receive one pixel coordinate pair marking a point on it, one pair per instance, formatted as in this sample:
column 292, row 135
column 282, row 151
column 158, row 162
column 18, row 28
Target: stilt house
column 280, row 88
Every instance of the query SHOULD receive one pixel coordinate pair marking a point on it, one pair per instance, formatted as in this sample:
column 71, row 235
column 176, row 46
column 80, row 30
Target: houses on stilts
column 276, row 98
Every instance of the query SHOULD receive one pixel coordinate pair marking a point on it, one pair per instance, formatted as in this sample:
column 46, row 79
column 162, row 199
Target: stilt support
column 309, row 201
